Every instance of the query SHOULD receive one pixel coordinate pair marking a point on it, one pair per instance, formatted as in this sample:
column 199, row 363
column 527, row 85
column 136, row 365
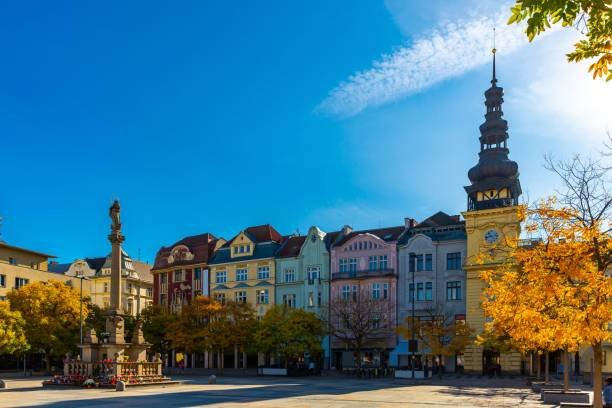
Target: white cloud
column 447, row 52
column 562, row 96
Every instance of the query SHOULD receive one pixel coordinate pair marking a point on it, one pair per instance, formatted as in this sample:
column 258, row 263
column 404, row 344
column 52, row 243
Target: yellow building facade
column 243, row 270
column 20, row 266
column 481, row 229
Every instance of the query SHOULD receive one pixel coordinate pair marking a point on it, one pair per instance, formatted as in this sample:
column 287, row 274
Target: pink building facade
column 364, row 266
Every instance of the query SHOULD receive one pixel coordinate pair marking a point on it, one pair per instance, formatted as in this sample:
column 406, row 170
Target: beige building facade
column 20, row 266
column 136, row 281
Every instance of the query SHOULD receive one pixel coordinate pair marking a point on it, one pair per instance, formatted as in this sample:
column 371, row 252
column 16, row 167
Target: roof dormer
column 241, row 246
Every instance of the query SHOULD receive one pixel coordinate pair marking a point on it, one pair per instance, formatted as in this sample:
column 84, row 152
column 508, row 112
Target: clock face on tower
column 491, row 236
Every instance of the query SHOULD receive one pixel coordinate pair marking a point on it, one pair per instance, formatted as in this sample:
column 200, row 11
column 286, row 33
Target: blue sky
column 212, row 116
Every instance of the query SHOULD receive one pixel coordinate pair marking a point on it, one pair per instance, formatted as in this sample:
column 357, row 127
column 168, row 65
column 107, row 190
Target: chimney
column 409, row 222
column 347, row 229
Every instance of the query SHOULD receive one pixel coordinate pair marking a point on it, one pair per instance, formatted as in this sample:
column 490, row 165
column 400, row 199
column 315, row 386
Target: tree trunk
column 546, row 367
column 596, row 369
column 538, row 366
column 440, row 366
column 48, row 361
column 565, row 370
column 219, row 371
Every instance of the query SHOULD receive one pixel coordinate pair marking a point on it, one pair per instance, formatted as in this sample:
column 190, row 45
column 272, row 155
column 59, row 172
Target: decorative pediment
column 180, row 253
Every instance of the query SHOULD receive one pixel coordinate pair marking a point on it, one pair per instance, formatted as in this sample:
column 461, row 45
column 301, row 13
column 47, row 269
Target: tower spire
column 494, row 50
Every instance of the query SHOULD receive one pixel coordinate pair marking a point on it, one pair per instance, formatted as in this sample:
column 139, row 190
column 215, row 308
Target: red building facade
column 181, row 272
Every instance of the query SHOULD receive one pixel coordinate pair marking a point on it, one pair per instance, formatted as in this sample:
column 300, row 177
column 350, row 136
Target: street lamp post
column 79, row 275
column 413, row 263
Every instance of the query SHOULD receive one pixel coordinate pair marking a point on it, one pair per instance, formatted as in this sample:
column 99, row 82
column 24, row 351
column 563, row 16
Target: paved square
column 286, row 393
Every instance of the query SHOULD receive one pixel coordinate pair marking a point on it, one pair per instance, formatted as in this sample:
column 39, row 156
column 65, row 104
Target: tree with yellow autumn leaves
column 50, row 312
column 554, row 292
column 12, row 333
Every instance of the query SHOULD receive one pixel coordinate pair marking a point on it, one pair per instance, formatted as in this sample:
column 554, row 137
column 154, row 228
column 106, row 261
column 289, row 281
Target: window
column 178, row 276
column 289, row 300
column 163, row 278
column 163, row 300
column 247, row 248
column 242, row 249
column 382, row 262
column 262, row 296
column 453, row 290
column 221, row 277
column 310, row 299
column 428, row 290
column 240, row 296
column 241, row 274
column 354, row 293
column 2, row 281
column 2, row 298
column 19, row 282
column 353, row 264
column 453, row 261
column 373, row 263
column 313, row 273
column 385, row 291
column 197, row 293
column 130, row 307
column 12, row 261
column 346, row 292
column 235, row 250
column 149, row 292
column 375, row 322
column 419, row 295
column 263, row 272
column 423, row 266
column 343, row 266
column 197, row 274
column 319, row 298
column 411, row 262
column 428, row 262
column 220, row 297
column 376, row 291
column 289, row 274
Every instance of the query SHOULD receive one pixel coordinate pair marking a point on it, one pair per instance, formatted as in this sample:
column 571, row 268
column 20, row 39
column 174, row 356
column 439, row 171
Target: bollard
column 3, row 384
column 120, row 386
column 212, row 379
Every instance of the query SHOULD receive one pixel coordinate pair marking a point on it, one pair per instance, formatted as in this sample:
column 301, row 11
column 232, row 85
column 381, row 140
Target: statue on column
column 113, row 212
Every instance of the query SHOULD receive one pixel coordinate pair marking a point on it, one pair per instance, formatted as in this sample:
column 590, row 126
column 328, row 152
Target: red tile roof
column 260, row 233
column 201, row 246
column 291, row 247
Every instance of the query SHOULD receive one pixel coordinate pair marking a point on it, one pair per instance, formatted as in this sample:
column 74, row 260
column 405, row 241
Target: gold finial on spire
column 494, row 80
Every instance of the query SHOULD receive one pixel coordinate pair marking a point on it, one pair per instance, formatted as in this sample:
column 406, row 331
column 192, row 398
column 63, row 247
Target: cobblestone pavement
column 330, row 392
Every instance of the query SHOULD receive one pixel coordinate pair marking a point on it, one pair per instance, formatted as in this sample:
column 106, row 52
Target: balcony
column 313, row 281
column 366, row 273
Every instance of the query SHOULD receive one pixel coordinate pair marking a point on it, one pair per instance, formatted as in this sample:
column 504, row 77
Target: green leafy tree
column 591, row 17
column 12, row 333
column 289, row 333
column 51, row 314
column 155, row 321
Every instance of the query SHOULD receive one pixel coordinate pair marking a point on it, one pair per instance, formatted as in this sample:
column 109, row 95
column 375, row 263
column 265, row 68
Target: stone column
column 235, row 356
column 115, row 297
column 244, row 360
